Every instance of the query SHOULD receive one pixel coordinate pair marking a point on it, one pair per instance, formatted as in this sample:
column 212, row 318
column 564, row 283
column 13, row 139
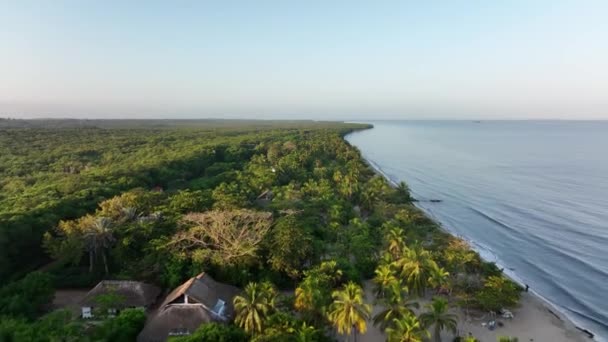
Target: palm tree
column 416, row 266
column 129, row 213
column 439, row 277
column 311, row 299
column 384, row 279
column 396, row 241
column 270, row 292
column 404, row 191
column 406, row 329
column 253, row 307
column 304, row 297
column 348, row 184
column 396, row 305
column 385, row 259
column 348, row 312
column 353, row 181
column 306, row 333
column 367, row 199
column 439, row 317
column 98, row 237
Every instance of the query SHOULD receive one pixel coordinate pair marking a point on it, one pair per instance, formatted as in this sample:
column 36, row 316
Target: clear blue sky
column 304, row 59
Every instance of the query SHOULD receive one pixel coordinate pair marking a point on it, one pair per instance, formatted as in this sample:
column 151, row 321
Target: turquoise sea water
column 530, row 195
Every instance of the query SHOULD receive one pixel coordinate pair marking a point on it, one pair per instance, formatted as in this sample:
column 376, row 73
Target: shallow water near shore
column 530, row 195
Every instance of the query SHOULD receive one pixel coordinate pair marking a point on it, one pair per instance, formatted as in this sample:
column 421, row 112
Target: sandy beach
column 533, row 319
column 532, row 322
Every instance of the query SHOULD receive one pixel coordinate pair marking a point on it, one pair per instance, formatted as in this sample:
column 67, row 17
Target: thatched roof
column 206, row 291
column 173, row 315
column 265, row 195
column 132, row 293
column 185, row 318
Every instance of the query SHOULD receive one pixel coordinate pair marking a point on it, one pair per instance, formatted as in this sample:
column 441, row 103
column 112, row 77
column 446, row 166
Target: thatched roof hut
column 199, row 300
column 267, row 195
column 131, row 293
column 174, row 320
column 265, row 198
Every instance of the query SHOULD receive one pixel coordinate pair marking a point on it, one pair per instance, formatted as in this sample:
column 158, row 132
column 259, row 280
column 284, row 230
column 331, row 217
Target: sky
column 346, row 60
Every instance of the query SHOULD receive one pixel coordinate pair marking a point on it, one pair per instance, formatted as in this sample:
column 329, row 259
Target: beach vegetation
column 419, row 269
column 284, row 326
column 385, row 278
column 498, row 293
column 407, row 329
column 349, row 313
column 396, row 304
column 313, row 294
column 253, row 307
column 438, row 317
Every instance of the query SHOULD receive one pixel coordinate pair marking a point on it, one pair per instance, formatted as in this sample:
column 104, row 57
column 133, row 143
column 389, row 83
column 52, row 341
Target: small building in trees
column 199, row 300
column 265, row 198
column 111, row 296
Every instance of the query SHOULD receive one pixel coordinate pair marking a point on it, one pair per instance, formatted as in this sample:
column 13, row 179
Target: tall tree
column 395, row 238
column 416, row 267
column 439, row 317
column 313, row 294
column 253, row 307
column 347, row 184
column 89, row 233
column 223, row 236
column 348, row 313
column 404, row 191
column 98, row 238
column 438, row 277
column 384, row 279
column 306, row 333
column 396, row 305
column 373, row 191
column 290, row 246
column 407, row 329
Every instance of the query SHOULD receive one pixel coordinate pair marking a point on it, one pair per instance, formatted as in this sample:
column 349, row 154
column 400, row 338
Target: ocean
column 530, row 195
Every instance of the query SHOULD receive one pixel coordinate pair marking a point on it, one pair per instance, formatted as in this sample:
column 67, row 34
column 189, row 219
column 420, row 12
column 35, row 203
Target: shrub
column 497, row 293
column 214, row 332
column 28, row 296
column 124, row 327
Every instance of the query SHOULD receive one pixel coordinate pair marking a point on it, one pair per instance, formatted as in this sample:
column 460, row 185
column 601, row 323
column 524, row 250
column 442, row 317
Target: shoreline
column 572, row 330
column 532, row 321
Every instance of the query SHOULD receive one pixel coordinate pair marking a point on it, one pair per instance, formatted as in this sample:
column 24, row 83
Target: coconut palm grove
column 315, row 244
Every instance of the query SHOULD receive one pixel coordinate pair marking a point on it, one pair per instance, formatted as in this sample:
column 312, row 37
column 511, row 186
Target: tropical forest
column 319, row 245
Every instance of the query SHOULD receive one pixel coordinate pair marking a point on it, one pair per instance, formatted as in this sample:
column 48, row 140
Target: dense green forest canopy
column 52, row 170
